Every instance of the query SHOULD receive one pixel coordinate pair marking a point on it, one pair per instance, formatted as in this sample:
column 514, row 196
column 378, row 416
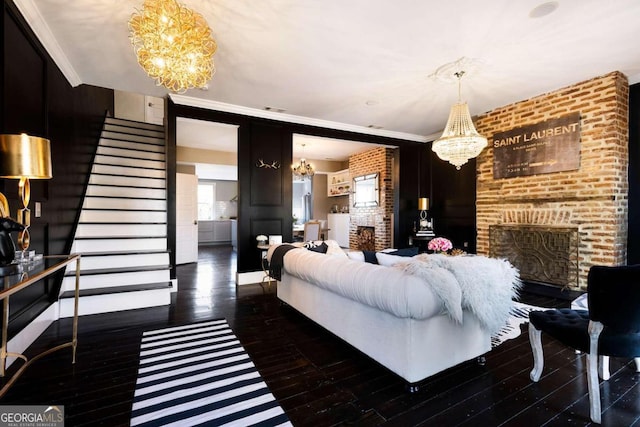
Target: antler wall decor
column 274, row 165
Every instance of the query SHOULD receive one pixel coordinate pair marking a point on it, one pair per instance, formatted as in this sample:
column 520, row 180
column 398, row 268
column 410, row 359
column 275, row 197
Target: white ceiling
column 359, row 63
column 224, row 137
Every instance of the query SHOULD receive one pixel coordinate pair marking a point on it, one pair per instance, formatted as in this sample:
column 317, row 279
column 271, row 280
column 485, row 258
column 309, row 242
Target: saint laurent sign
column 549, row 146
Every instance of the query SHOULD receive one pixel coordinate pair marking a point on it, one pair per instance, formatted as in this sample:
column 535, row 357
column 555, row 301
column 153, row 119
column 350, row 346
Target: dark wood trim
column 171, row 166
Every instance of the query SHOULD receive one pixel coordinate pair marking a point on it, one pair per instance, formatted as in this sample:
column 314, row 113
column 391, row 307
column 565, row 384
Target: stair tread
column 124, row 210
column 117, row 289
column 119, row 237
column 105, row 142
column 127, row 176
column 116, row 253
column 127, row 198
column 116, row 270
column 121, row 223
column 133, row 123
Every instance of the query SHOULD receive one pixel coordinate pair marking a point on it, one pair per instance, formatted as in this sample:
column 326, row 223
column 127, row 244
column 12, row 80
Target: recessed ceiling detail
column 447, row 73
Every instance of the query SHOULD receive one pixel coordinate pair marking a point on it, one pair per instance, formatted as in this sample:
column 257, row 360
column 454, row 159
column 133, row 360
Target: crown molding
column 254, row 112
column 31, row 14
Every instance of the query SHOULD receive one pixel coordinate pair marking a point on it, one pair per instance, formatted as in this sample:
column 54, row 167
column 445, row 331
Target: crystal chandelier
column 460, row 141
column 173, row 44
column 303, row 169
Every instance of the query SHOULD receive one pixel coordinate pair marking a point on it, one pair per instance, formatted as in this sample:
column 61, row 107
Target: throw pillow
column 335, row 249
column 356, row 255
column 388, row 260
column 370, row 257
column 313, row 246
column 405, row 252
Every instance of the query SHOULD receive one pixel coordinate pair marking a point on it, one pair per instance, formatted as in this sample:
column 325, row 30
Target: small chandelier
column 303, row 169
column 460, row 141
column 173, row 44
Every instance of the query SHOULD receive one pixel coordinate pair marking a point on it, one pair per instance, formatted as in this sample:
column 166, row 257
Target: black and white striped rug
column 519, row 315
column 199, row 374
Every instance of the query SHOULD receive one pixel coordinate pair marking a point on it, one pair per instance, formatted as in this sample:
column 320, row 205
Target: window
column 206, row 201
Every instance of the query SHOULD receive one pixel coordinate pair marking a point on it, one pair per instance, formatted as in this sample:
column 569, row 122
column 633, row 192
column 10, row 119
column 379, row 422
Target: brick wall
column 592, row 198
column 377, row 160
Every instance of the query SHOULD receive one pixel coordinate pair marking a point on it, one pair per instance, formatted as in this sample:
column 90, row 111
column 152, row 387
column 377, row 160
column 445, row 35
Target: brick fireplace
column 378, row 218
column 591, row 200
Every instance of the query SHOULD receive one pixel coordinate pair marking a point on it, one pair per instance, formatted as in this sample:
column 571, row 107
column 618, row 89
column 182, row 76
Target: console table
column 17, row 282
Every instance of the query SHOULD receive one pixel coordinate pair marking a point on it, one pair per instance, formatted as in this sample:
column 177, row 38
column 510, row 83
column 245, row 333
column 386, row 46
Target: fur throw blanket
column 484, row 286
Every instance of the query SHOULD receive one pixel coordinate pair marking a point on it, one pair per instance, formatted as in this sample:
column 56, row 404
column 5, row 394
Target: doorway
column 207, row 152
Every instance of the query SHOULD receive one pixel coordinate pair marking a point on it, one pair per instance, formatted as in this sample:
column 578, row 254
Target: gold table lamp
column 423, row 207
column 23, row 157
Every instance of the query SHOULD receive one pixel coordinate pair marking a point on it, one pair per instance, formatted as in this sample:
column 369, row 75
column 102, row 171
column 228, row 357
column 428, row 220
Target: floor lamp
column 23, row 157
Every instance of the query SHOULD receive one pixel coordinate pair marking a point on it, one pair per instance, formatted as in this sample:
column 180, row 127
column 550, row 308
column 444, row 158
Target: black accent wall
column 37, row 99
column 264, row 195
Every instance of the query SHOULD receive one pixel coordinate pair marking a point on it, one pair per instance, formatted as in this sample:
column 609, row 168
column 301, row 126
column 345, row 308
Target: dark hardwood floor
column 318, row 379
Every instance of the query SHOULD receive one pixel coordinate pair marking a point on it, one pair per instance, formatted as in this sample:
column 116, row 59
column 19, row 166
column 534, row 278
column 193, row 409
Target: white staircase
column 122, row 231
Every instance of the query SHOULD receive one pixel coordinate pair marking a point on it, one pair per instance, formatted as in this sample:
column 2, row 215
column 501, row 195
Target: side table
column 264, row 263
column 17, row 282
column 422, row 242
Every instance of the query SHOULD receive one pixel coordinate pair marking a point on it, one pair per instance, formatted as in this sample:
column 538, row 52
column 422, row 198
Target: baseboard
column 550, row 291
column 249, row 278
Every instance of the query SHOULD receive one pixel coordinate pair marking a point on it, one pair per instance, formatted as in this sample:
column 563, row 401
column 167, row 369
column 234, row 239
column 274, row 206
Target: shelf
column 338, row 183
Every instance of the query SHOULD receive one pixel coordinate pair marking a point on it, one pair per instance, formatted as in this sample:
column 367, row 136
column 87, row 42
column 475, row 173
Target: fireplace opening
column 542, row 254
column 366, row 238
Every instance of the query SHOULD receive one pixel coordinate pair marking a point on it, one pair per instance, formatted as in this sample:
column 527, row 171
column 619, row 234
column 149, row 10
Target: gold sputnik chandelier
column 173, row 44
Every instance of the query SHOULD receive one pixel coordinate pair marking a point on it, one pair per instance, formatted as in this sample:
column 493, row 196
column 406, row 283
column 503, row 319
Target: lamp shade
column 24, row 156
column 423, row 204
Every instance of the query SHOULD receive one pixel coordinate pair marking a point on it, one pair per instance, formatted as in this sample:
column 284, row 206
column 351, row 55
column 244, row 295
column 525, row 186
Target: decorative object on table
column 275, row 239
column 23, row 157
column 426, row 226
column 460, row 141
column 457, row 252
column 173, row 45
column 303, row 169
column 440, row 245
column 7, row 249
column 262, row 239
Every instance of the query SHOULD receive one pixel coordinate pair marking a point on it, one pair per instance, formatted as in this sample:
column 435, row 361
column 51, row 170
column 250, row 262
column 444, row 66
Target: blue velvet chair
column 611, row 326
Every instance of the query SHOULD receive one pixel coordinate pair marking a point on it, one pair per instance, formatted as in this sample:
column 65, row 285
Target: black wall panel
column 38, row 100
column 264, row 194
column 453, row 202
column 267, row 183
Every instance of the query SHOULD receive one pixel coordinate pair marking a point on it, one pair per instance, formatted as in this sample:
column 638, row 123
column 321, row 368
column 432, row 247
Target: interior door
column 186, row 218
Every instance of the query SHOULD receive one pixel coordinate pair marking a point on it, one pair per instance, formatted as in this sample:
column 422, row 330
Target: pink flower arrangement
column 439, row 244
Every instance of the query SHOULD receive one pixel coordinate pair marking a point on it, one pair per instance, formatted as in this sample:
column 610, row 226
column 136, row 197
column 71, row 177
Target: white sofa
column 391, row 316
